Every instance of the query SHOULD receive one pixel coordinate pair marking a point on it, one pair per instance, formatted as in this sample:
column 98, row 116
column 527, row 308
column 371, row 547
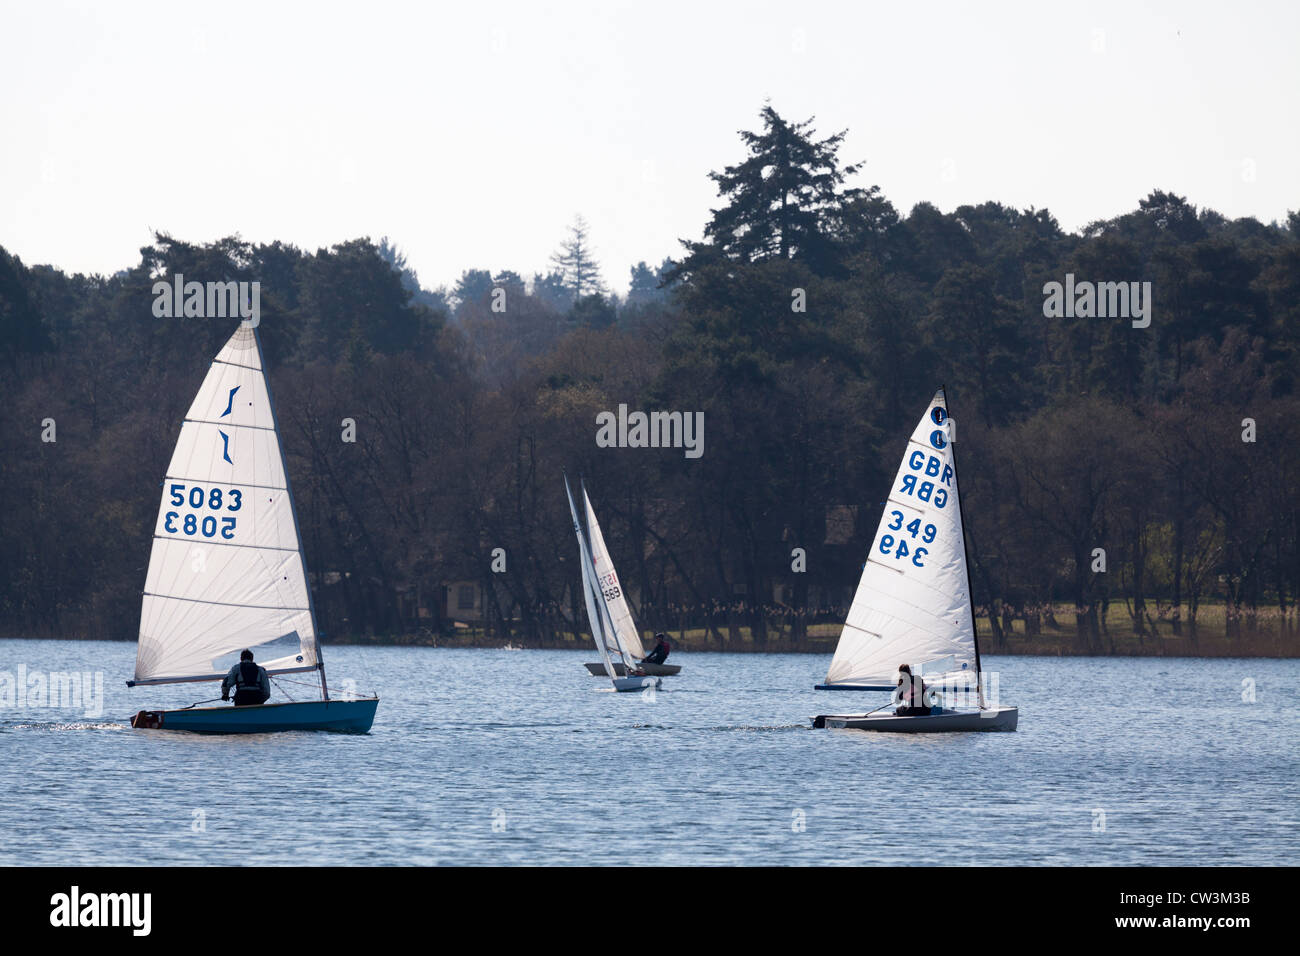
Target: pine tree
column 578, row 269
column 784, row 201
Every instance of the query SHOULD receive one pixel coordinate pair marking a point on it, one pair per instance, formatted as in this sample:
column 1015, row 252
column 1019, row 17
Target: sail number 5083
column 196, row 497
column 898, row 548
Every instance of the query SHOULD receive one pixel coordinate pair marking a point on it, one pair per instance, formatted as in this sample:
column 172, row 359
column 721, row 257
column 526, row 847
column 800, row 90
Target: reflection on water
column 481, row 756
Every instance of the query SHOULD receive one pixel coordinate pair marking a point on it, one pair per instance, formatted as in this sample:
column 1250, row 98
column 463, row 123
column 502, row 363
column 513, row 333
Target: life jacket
column 913, row 691
column 248, row 676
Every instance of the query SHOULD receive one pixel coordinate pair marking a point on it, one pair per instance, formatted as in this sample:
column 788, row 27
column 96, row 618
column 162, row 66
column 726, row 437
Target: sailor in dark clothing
column 911, row 694
column 251, row 683
column 660, row 652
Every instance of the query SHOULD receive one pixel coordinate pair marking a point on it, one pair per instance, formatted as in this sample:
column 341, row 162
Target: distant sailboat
column 913, row 604
column 615, row 599
column 607, row 637
column 226, row 571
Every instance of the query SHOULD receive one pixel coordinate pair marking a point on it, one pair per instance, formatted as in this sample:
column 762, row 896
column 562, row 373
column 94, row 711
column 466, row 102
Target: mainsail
column 611, row 590
column 590, row 592
column 913, row 602
column 226, row 571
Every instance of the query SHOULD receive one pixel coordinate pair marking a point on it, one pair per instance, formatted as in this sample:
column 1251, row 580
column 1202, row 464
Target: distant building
column 463, row 601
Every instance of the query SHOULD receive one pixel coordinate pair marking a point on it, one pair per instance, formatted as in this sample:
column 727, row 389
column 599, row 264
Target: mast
column 293, row 510
column 961, row 509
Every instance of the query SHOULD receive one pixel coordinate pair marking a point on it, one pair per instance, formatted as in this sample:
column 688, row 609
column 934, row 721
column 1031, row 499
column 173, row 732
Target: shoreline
column 1277, row 644
column 1272, row 646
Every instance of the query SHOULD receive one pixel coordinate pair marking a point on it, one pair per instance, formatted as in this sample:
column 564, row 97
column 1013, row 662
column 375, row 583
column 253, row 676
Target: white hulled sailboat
column 913, row 603
column 620, row 615
column 619, row 664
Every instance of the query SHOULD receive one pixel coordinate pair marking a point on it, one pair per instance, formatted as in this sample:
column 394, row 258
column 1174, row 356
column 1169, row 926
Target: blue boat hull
column 340, row 716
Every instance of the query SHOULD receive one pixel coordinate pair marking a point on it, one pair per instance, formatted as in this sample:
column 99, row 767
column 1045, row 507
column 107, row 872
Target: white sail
column 611, row 590
column 589, row 589
column 226, row 571
column 913, row 601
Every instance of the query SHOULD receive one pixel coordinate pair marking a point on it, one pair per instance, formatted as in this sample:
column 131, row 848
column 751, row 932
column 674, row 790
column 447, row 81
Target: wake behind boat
column 913, row 605
column 226, row 571
column 610, row 640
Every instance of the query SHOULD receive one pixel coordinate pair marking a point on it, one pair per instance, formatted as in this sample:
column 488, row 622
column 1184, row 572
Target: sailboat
column 226, row 571
column 608, row 640
column 616, row 605
column 913, row 604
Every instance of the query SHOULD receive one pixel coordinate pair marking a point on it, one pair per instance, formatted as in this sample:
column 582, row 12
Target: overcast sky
column 472, row 134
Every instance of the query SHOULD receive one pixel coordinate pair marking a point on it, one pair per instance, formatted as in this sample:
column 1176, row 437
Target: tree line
column 810, row 324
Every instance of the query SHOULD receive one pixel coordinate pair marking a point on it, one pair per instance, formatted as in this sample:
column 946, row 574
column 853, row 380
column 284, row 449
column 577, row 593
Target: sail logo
column 56, row 690
column 651, row 430
column 74, row 908
column 179, row 299
column 939, row 438
column 1101, row 300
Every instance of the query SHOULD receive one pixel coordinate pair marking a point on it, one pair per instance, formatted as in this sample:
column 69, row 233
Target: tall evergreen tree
column 784, row 201
column 579, row 271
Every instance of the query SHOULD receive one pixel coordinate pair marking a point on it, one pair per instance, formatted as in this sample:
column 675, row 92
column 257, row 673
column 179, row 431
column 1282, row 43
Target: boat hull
column 655, row 670
column 993, row 718
column 339, row 716
column 636, row 683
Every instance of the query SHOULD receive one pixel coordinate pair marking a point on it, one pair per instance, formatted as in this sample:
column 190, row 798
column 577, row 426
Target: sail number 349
column 899, row 548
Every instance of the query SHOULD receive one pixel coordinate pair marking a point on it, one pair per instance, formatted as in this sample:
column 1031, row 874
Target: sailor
column 660, row 652
column 911, row 694
column 251, row 683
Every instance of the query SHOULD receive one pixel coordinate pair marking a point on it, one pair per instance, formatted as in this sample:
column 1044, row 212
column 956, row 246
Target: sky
column 471, row 134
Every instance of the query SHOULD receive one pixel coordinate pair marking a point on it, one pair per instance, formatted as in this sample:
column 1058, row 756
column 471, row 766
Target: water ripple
column 513, row 758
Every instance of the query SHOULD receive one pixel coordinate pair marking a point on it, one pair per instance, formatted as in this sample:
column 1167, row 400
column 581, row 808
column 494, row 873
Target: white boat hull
column 636, row 683
column 948, row 721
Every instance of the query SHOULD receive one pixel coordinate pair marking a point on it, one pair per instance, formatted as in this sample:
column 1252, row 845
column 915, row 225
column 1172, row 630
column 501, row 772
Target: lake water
column 519, row 757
